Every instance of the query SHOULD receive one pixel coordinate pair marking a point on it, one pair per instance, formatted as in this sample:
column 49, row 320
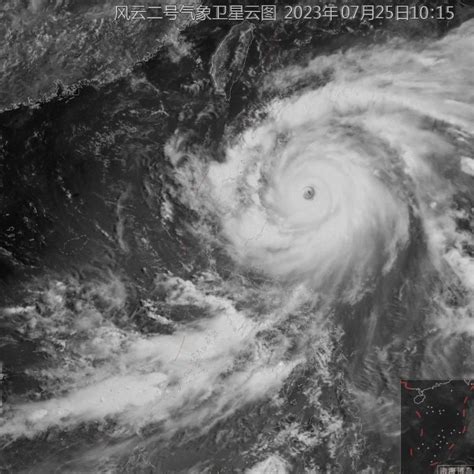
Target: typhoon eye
column 309, row 192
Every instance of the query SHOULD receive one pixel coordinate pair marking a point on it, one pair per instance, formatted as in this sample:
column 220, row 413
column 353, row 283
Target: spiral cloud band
column 306, row 201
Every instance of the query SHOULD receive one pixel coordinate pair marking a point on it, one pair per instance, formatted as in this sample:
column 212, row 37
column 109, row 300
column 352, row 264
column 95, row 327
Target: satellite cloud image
column 237, row 237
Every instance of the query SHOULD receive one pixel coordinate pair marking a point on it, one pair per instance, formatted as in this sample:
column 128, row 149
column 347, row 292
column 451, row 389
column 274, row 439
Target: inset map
column 435, row 422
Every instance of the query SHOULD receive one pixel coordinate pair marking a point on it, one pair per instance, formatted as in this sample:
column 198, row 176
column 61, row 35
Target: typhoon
column 322, row 189
column 308, row 196
column 324, row 251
